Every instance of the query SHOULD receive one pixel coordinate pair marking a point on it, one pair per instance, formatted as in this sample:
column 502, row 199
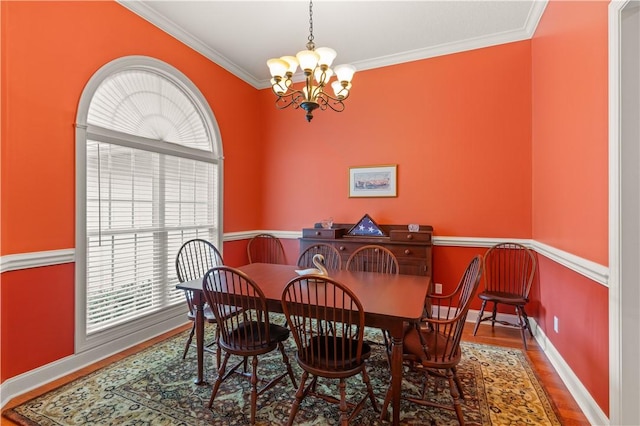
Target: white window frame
column 126, row 334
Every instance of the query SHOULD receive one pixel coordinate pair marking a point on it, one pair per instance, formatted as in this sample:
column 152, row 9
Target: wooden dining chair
column 332, row 259
column 248, row 335
column 195, row 257
column 509, row 269
column 432, row 345
column 373, row 258
column 265, row 248
column 327, row 322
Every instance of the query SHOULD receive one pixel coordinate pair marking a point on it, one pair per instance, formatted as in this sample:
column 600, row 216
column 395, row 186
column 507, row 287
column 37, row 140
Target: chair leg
column 494, row 312
column 387, row 400
column 216, row 385
column 299, row 395
column 526, row 320
column 384, row 415
column 372, row 397
column 285, row 359
column 344, row 414
column 457, row 380
column 523, row 325
column 218, row 348
column 387, row 345
column 455, row 396
column 479, row 320
column 186, row 347
column 254, row 389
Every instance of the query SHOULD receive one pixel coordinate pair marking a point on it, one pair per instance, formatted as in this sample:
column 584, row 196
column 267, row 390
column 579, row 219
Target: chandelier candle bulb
column 278, row 67
column 315, row 65
column 345, row 72
column 327, row 55
column 292, row 62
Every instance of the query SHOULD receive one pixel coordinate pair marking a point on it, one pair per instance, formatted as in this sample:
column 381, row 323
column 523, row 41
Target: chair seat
column 501, row 297
column 437, row 346
column 339, row 355
column 209, row 315
column 255, row 332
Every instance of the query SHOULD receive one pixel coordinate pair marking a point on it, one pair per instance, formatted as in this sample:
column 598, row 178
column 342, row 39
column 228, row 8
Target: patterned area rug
column 155, row 387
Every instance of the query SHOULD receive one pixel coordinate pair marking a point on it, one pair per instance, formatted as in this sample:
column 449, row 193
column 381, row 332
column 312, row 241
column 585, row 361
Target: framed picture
column 373, row 181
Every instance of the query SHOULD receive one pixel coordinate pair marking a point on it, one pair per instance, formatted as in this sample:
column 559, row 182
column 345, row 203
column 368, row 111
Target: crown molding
column 182, row 35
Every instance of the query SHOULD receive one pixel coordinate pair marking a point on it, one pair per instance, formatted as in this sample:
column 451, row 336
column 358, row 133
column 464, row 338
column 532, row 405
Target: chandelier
column 315, row 63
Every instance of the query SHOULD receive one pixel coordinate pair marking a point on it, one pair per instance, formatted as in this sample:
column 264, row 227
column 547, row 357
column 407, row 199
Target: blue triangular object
column 366, row 227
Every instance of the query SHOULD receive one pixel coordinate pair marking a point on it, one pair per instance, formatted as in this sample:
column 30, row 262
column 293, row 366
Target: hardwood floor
column 567, row 409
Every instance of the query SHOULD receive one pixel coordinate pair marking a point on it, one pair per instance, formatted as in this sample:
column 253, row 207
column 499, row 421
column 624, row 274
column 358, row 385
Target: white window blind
column 145, row 195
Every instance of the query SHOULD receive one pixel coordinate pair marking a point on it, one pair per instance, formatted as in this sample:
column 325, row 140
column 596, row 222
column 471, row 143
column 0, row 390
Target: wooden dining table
column 388, row 301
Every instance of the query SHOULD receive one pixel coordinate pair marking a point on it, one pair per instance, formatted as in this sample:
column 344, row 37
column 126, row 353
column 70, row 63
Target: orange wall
column 570, row 181
column 570, row 131
column 37, row 315
column 457, row 126
column 49, row 52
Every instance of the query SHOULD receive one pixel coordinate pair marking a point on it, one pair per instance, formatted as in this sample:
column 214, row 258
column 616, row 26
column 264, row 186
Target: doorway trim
column 624, row 232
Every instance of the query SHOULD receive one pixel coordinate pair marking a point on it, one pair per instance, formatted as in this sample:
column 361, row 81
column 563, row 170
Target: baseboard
column 587, row 404
column 583, row 398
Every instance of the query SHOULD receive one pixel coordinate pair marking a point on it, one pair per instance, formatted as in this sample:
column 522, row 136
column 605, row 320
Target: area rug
column 155, row 387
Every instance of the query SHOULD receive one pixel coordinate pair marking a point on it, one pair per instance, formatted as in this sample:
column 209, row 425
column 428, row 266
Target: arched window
column 149, row 177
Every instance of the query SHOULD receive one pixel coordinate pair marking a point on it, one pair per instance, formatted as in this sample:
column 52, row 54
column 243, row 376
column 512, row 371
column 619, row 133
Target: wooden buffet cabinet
column 413, row 249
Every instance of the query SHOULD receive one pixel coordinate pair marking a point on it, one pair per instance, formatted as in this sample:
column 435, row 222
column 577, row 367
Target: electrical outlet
column 555, row 323
column 438, row 288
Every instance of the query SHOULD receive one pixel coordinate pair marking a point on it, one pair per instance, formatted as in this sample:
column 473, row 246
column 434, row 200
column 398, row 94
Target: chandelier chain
column 310, row 44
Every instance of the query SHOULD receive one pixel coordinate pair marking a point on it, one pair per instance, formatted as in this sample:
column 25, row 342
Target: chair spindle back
column 327, row 322
column 373, row 258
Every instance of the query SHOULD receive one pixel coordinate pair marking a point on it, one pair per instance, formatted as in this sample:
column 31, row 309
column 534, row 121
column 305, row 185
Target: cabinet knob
column 409, row 237
column 318, row 232
column 341, row 248
column 407, row 251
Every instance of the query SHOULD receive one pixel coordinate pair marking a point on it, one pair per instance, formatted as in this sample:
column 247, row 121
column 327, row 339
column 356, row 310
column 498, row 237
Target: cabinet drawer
column 346, row 248
column 401, row 251
column 410, row 236
column 331, row 233
column 407, row 251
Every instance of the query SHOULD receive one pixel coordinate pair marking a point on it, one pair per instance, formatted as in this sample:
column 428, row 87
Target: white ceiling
column 242, row 35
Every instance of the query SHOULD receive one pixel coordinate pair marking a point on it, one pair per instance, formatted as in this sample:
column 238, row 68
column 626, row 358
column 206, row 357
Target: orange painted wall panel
column 460, row 134
column 570, row 129
column 570, row 182
column 37, row 318
column 583, row 325
column 50, row 51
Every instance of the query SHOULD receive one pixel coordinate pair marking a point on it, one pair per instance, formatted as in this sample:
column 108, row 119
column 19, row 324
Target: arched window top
column 142, row 102
column 149, row 170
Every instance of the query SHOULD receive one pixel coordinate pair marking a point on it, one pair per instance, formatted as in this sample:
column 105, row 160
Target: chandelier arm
column 333, row 98
column 325, row 100
column 294, row 98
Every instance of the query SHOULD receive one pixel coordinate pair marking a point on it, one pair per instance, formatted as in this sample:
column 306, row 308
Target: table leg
column 199, row 302
column 395, row 389
column 396, row 378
